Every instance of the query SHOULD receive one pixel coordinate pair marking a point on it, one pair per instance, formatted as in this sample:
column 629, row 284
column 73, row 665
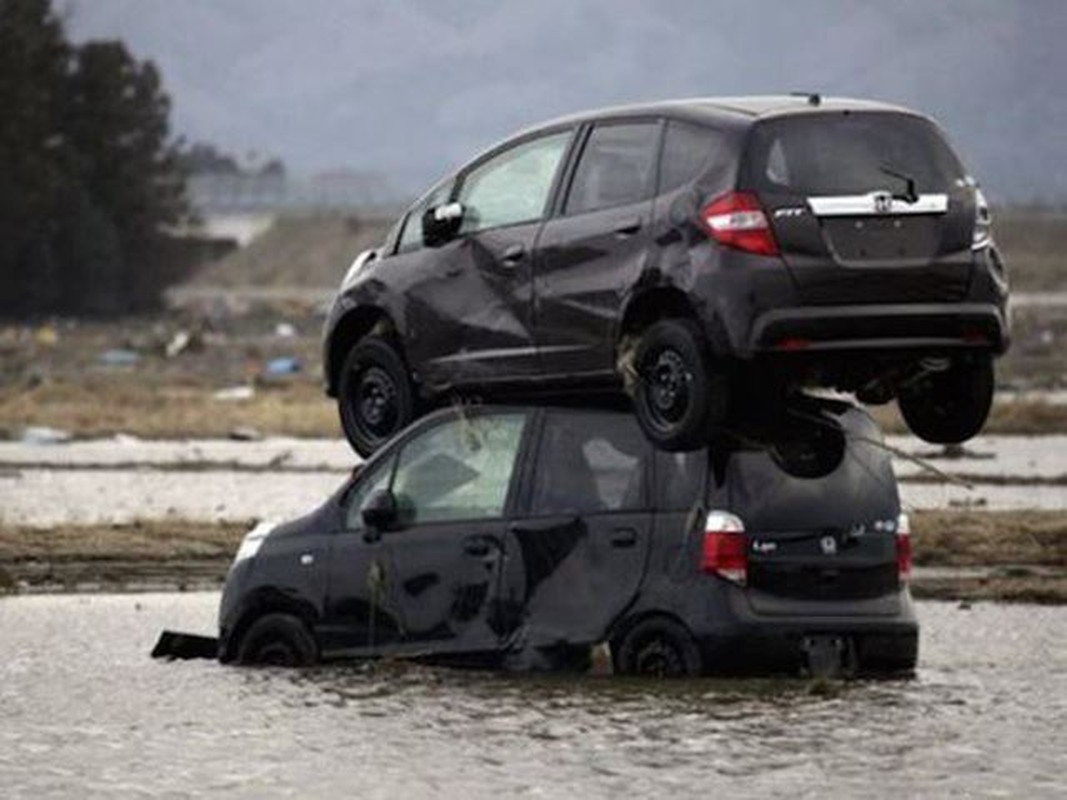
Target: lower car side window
column 459, row 470
column 368, row 484
column 590, row 463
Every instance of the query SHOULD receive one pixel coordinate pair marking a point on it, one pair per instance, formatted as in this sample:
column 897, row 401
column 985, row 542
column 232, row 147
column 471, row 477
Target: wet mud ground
column 86, row 712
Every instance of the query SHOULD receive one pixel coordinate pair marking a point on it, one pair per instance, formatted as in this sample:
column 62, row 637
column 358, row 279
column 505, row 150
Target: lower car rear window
column 774, row 490
column 849, row 153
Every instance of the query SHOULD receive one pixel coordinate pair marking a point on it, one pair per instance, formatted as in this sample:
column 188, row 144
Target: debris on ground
column 286, row 365
column 47, row 335
column 40, row 434
column 235, row 393
column 245, row 433
column 178, row 343
column 285, row 330
column 118, row 358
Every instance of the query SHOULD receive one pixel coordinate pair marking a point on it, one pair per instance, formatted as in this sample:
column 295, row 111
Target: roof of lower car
column 739, row 111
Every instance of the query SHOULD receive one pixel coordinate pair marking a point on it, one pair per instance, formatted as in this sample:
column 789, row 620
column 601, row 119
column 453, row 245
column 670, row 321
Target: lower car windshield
column 850, row 153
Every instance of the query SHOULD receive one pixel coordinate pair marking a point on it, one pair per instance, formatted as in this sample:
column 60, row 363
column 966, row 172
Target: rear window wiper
column 910, row 195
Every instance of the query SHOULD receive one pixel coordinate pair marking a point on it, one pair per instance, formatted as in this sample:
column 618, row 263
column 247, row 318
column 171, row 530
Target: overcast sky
column 412, row 88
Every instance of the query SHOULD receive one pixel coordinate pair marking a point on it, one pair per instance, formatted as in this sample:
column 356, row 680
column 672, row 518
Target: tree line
column 90, row 177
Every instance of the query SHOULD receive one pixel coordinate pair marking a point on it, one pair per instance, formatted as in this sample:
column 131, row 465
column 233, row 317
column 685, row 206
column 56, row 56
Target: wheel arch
column 352, row 327
column 263, row 604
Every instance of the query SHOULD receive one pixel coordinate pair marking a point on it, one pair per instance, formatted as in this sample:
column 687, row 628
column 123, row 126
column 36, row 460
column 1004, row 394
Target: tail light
column 903, row 548
column 983, row 222
column 725, row 547
column 737, row 220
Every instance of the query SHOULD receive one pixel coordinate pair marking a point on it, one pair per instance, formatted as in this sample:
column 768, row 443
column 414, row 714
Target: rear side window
column 617, row 166
column 687, row 150
column 590, row 463
column 854, row 153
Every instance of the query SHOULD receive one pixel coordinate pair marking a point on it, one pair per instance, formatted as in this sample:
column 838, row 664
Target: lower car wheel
column 375, row 396
column 677, row 396
column 952, row 405
column 657, row 647
column 279, row 640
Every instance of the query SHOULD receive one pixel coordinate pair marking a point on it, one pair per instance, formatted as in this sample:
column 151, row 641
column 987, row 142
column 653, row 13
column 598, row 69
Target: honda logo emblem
column 829, row 545
column 883, row 202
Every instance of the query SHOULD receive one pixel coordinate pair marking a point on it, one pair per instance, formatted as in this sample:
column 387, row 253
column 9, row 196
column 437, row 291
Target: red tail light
column 903, row 548
column 725, row 547
column 737, row 220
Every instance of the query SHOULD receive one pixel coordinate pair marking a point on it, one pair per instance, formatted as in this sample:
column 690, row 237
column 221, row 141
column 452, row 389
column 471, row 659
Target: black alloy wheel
column 375, row 396
column 657, row 647
column 677, row 395
column 950, row 406
column 278, row 640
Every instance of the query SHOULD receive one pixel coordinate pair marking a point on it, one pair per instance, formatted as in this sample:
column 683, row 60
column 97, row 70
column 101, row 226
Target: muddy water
column 85, row 712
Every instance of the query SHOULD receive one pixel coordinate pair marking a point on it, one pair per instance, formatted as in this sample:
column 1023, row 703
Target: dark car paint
column 543, row 581
column 466, row 321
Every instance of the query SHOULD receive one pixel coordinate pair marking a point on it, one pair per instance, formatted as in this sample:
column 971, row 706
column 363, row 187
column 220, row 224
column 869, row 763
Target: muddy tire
column 375, row 397
column 279, row 640
column 657, row 648
column 677, row 396
column 950, row 407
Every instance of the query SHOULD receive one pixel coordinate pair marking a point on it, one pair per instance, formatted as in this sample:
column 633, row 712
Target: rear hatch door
column 866, row 206
column 817, row 538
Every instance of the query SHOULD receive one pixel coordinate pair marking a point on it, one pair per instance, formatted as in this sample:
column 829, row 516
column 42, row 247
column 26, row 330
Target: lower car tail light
column 725, row 550
column 737, row 220
column 903, row 548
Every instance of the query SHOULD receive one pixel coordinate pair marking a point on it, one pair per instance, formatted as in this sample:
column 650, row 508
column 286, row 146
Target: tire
column 657, row 647
column 677, row 396
column 375, row 397
column 950, row 407
column 279, row 640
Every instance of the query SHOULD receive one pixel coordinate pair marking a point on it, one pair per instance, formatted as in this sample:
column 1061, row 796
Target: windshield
column 850, row 153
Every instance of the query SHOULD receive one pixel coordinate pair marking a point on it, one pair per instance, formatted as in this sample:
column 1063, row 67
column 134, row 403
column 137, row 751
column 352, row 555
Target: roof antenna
column 814, row 98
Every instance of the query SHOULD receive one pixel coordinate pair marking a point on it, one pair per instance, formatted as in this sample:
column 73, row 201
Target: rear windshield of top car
column 849, row 153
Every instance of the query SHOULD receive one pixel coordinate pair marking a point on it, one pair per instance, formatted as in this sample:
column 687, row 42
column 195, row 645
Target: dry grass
column 990, row 538
column 105, row 405
column 1013, row 417
column 138, row 541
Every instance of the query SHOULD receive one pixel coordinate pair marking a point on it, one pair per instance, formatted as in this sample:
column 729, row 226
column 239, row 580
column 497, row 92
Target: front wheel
column 657, row 647
column 952, row 405
column 677, row 395
column 375, row 396
column 279, row 640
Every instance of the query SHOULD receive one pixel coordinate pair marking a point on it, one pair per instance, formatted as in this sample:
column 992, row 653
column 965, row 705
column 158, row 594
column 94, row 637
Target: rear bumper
column 918, row 326
column 882, row 633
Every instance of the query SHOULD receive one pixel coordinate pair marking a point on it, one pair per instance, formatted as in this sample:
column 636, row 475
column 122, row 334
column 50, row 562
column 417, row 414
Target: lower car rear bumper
column 881, row 634
column 921, row 326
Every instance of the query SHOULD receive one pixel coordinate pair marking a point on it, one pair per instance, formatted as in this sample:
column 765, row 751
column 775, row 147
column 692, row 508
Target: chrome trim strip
column 876, row 204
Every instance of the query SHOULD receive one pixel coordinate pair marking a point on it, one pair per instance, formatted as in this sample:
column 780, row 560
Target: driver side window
column 513, row 186
column 459, row 470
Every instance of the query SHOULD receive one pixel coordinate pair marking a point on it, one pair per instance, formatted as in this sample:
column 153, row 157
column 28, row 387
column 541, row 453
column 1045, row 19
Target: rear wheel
column 375, row 396
column 950, row 406
column 279, row 640
column 659, row 648
column 677, row 395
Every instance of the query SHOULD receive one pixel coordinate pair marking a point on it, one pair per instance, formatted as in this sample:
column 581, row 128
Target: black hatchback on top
column 521, row 537
column 689, row 253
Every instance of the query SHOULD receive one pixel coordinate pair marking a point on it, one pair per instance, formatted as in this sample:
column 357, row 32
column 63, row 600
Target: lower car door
column 583, row 540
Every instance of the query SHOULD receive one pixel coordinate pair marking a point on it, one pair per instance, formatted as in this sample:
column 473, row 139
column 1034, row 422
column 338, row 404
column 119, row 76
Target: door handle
column 545, row 525
column 624, row 537
column 513, row 254
column 479, row 546
column 628, row 228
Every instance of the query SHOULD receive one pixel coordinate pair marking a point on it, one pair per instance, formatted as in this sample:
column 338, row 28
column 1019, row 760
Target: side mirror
column 441, row 223
column 379, row 512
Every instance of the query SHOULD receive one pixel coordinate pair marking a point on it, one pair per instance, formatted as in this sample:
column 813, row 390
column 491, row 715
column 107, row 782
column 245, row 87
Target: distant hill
column 308, row 252
column 411, row 88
